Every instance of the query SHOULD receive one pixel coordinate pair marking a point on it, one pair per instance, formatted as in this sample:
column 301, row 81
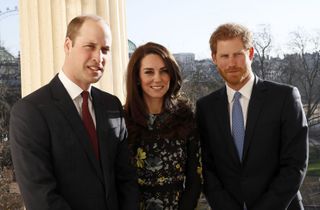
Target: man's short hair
column 76, row 23
column 230, row 31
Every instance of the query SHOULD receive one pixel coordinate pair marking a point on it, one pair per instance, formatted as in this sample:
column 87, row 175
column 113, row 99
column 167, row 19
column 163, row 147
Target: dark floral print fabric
column 166, row 155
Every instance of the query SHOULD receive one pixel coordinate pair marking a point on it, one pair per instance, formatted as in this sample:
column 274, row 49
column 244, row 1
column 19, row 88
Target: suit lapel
column 254, row 109
column 222, row 111
column 66, row 105
column 103, row 129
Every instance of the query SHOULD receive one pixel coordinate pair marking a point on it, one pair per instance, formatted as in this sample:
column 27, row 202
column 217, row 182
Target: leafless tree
column 262, row 42
column 8, row 200
column 201, row 82
column 289, row 69
column 307, row 48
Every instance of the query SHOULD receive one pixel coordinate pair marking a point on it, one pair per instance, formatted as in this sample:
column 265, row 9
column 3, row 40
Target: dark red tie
column 88, row 123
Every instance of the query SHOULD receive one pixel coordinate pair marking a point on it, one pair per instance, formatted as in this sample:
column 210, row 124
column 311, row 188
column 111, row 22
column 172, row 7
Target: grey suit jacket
column 54, row 163
column 275, row 152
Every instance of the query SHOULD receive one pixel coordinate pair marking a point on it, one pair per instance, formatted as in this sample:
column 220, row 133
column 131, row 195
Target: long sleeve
column 30, row 148
column 217, row 196
column 192, row 189
column 127, row 183
column 293, row 156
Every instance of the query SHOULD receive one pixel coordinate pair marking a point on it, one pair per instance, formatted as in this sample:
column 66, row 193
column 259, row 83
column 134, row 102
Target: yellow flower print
column 141, row 181
column 199, row 170
column 177, row 196
column 141, row 155
column 161, row 180
column 178, row 167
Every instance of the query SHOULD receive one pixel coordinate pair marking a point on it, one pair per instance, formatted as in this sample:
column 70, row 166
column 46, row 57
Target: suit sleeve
column 191, row 193
column 127, row 185
column 217, row 197
column 293, row 156
column 30, row 147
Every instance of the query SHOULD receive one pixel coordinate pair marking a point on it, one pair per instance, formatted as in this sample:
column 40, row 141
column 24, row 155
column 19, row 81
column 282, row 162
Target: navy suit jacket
column 275, row 150
column 54, row 161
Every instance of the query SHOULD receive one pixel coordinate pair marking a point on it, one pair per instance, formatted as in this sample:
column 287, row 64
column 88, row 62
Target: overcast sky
column 186, row 25
column 9, row 26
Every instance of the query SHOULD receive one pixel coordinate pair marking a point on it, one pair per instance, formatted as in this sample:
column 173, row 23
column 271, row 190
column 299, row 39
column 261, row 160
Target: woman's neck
column 154, row 106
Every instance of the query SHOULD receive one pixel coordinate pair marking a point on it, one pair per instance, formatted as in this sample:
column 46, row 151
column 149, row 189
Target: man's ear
column 251, row 53
column 214, row 60
column 67, row 45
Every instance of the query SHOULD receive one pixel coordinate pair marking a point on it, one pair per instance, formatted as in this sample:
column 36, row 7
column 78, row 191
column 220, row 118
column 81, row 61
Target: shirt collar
column 73, row 89
column 245, row 91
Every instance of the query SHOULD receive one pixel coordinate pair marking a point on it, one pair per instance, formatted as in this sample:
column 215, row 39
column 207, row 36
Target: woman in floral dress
column 162, row 134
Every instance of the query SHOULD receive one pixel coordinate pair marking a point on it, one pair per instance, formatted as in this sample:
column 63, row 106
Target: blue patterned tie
column 237, row 124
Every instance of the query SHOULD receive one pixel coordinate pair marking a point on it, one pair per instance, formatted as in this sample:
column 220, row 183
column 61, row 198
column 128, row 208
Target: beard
column 235, row 77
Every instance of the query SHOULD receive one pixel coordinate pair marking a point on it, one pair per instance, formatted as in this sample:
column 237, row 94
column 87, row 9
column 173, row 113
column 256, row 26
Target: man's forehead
column 229, row 45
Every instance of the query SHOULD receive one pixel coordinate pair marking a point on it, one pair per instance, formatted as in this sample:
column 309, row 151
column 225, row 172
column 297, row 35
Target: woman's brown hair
column 135, row 106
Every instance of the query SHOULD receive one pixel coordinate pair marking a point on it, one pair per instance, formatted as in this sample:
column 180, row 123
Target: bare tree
column 9, row 200
column 308, row 68
column 202, row 81
column 289, row 69
column 262, row 43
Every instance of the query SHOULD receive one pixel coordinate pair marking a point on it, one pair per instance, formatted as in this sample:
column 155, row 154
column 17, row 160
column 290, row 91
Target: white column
column 43, row 25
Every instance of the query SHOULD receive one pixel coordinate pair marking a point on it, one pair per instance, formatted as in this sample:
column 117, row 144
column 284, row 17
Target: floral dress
column 166, row 156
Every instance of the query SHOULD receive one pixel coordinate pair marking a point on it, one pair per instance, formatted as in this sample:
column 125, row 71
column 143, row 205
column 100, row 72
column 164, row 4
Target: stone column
column 43, row 25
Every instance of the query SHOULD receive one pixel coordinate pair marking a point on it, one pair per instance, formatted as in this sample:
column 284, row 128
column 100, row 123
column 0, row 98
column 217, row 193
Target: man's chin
column 95, row 79
column 234, row 80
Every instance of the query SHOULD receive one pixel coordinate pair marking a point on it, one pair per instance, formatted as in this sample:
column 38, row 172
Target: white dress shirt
column 245, row 91
column 75, row 94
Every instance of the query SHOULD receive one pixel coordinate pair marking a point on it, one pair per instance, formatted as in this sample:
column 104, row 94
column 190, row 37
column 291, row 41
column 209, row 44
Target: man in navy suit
column 58, row 165
column 263, row 168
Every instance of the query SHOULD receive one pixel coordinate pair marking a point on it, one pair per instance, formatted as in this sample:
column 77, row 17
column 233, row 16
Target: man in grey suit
column 254, row 133
column 68, row 138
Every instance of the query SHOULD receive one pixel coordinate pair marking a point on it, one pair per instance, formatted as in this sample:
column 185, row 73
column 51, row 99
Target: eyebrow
column 236, row 51
column 106, row 48
column 94, row 43
column 148, row 68
column 152, row 69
